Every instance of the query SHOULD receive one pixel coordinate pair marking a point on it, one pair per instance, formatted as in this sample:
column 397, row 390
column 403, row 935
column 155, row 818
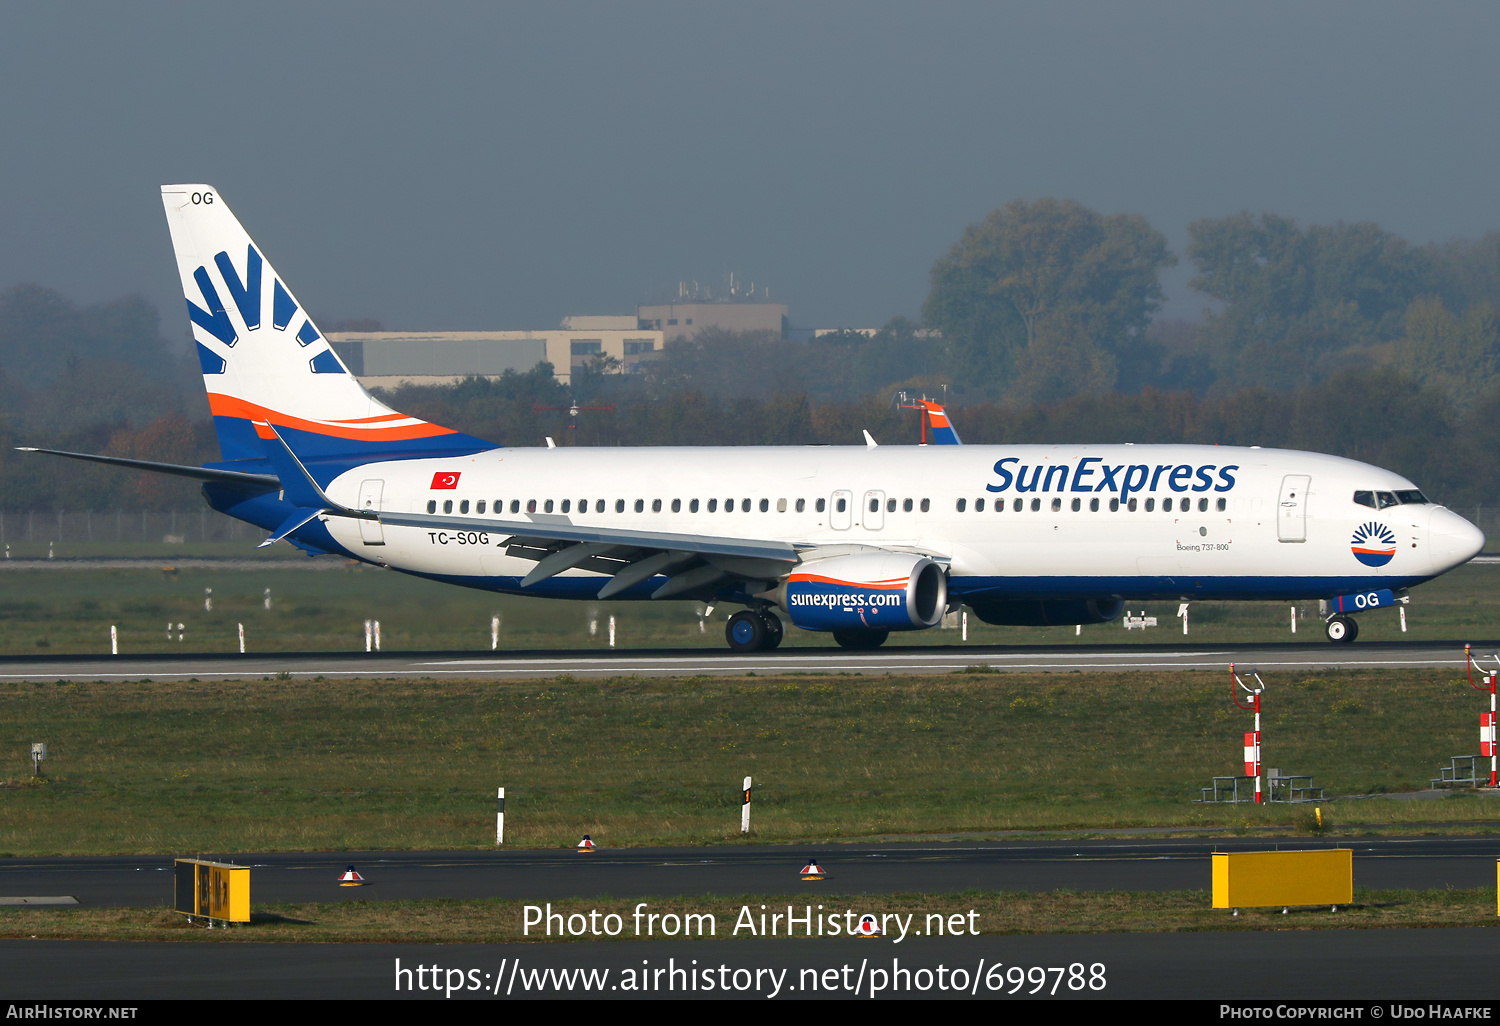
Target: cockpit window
column 1385, row 499
column 1413, row 498
column 1365, row 499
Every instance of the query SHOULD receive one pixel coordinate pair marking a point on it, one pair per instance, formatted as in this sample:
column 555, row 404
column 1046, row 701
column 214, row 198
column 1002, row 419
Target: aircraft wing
column 694, row 564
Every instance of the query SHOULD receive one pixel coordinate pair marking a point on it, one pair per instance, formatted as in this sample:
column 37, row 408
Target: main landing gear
column 1342, row 628
column 753, row 630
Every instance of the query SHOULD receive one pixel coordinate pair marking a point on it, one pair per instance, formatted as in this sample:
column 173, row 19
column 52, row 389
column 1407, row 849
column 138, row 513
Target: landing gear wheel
column 746, row 631
column 774, row 632
column 1342, row 628
column 861, row 639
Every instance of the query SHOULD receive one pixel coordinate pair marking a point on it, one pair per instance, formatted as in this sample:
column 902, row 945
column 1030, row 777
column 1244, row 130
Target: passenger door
column 370, row 531
column 1291, row 508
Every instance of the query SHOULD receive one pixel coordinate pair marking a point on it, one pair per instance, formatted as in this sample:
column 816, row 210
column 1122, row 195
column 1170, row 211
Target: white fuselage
column 1242, row 523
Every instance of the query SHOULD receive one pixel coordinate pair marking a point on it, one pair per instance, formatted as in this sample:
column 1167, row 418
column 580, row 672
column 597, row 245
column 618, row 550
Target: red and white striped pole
column 1487, row 739
column 1252, row 740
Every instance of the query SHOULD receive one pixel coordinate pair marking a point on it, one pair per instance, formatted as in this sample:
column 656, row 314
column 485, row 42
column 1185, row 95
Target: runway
column 945, row 867
column 1298, row 657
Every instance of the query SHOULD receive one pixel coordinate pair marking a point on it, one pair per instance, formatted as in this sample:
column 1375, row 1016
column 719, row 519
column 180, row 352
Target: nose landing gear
column 1342, row 628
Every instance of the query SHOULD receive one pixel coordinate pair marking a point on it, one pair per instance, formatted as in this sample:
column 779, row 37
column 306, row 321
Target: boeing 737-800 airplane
column 856, row 541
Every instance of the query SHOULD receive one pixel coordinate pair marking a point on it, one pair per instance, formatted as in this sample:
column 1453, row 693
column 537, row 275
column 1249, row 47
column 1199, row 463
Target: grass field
column 70, row 611
column 497, row 921
column 369, row 764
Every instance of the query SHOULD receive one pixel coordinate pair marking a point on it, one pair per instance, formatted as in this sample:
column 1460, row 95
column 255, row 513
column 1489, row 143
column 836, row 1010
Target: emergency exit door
column 1291, row 508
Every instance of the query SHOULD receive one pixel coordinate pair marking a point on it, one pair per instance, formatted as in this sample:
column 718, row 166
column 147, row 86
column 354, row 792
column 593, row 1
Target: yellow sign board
column 213, row 890
column 1259, row 879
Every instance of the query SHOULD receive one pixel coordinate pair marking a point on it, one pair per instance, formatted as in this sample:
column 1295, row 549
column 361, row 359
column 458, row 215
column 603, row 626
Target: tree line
column 1043, row 326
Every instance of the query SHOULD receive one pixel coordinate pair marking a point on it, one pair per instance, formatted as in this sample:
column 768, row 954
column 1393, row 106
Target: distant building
column 686, row 320
column 388, row 359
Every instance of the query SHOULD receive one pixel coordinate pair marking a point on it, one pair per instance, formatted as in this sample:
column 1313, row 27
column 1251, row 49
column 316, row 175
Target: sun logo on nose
column 1373, row 544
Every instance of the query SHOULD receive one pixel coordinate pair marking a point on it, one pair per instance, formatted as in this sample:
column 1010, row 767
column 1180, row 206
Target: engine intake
column 886, row 591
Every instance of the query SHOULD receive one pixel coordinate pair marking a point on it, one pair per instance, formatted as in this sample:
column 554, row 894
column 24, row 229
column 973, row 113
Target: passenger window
column 1093, row 505
column 843, row 505
column 1364, row 499
column 822, row 505
column 531, row 505
column 1114, row 505
column 1036, row 505
column 1385, row 499
column 713, row 505
column 906, row 506
column 999, row 505
column 963, row 504
column 432, row 505
column 479, row 506
column 619, row 505
column 463, row 507
column 781, row 505
column 1016, row 505
column 1150, row 505
column 744, row 505
column 599, row 506
column 1077, row 505
column 801, row 505
column 1130, row 506
column 640, row 505
column 515, row 505
column 567, row 505
column 1202, row 505
column 890, row 505
column 1223, row 504
column 447, row 505
column 676, row 505
column 926, row 505
column 656, row 505
column 1056, row 505
column 765, row 505
column 1166, row 505
column 693, row 506
column 728, row 505
column 547, row 507
column 978, row 505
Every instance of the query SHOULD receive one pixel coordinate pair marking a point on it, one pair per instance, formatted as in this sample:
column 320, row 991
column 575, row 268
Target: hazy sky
column 484, row 165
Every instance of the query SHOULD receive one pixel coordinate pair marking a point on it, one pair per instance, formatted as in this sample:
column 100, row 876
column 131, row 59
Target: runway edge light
column 351, row 878
column 586, row 845
column 813, row 871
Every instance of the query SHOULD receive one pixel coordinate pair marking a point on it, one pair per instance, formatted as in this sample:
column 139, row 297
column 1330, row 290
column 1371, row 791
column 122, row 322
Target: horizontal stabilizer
column 300, row 516
column 180, row 470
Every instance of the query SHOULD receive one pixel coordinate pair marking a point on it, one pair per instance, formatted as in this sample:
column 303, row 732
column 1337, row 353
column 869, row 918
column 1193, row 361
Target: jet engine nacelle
column 884, row 591
column 1046, row 612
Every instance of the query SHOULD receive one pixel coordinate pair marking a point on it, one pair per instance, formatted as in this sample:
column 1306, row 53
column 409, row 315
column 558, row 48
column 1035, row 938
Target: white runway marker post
column 377, row 635
column 494, row 633
column 1403, row 618
column 963, row 619
column 611, row 631
column 242, row 639
column 1294, row 619
column 208, row 600
column 268, row 598
column 114, row 640
column 745, row 809
column 1182, row 611
column 369, row 635
column 500, row 818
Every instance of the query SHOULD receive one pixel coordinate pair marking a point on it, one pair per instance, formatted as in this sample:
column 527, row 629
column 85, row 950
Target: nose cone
column 1452, row 540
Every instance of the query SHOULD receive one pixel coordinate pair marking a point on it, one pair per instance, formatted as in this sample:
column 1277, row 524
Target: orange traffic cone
column 351, row 879
column 869, row 926
column 812, row 871
column 586, row 845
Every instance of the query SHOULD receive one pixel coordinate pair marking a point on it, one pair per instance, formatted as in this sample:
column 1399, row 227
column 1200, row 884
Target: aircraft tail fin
column 266, row 363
